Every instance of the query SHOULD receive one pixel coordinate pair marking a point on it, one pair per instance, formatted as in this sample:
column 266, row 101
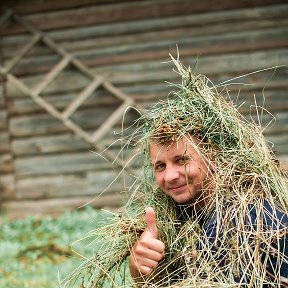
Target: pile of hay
column 248, row 176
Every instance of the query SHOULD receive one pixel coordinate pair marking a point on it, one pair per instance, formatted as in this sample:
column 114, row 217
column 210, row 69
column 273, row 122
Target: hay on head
column 248, row 181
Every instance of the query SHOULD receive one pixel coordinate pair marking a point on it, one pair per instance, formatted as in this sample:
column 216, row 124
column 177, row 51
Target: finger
column 148, row 263
column 151, row 222
column 141, row 253
column 151, row 243
column 145, row 270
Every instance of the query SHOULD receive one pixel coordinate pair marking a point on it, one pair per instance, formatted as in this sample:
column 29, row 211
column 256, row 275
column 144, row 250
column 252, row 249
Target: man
column 187, row 177
column 183, row 175
column 216, row 196
column 223, row 177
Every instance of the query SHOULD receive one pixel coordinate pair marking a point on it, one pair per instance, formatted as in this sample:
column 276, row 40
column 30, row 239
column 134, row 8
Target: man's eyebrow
column 157, row 162
column 182, row 154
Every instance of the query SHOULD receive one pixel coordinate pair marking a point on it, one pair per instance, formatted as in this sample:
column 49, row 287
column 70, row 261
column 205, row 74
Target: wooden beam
column 86, row 183
column 82, row 97
column 6, row 163
column 7, row 187
column 16, row 209
column 4, row 142
column 34, row 6
column 13, row 62
column 142, row 30
column 51, row 75
column 111, row 120
column 5, row 17
column 97, row 14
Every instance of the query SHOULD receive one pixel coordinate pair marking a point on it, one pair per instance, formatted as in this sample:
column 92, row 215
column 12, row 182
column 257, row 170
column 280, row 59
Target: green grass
column 36, row 252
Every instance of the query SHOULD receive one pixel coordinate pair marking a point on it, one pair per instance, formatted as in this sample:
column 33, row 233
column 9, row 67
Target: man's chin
column 183, row 200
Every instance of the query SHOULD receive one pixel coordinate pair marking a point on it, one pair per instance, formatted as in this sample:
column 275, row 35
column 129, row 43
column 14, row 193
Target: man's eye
column 159, row 167
column 183, row 160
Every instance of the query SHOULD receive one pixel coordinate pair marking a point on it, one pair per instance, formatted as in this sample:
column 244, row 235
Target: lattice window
column 95, row 81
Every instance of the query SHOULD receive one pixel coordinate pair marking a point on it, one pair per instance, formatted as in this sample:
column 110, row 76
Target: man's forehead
column 181, row 146
column 185, row 139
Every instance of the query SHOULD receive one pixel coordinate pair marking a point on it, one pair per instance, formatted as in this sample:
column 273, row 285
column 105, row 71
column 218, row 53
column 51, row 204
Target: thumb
column 151, row 222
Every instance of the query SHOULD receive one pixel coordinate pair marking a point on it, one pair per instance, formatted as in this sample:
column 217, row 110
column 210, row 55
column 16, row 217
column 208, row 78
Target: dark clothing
column 273, row 248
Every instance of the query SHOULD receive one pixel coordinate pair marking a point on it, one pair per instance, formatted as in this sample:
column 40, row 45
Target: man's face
column 180, row 171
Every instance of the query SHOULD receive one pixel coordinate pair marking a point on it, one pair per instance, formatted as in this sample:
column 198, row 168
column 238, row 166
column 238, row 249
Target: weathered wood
column 131, row 11
column 6, row 163
column 14, row 209
column 206, row 23
column 61, row 101
column 206, row 45
column 126, row 43
column 284, row 161
column 3, row 119
column 86, row 118
column 92, row 183
column 211, row 48
column 110, row 121
column 65, row 163
column 4, row 16
column 43, row 6
column 42, row 124
column 150, row 92
column 4, row 142
column 73, row 106
column 7, row 187
column 153, row 71
column 50, row 144
column 16, row 59
column 76, row 44
column 52, row 75
column 279, row 144
column 64, row 143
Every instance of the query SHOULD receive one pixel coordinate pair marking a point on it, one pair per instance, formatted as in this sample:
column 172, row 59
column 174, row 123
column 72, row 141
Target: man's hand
column 148, row 251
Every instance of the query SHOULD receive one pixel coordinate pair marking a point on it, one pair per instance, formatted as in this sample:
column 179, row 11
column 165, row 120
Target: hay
column 248, row 177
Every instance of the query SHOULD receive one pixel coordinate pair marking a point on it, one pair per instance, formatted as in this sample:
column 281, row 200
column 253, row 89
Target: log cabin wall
column 44, row 166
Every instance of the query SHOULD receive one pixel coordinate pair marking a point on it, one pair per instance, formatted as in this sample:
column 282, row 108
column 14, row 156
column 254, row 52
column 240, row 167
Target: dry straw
column 247, row 178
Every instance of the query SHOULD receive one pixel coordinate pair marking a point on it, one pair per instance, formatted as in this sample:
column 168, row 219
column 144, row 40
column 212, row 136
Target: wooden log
column 49, row 144
column 36, row 6
column 66, row 163
column 138, row 73
column 42, row 124
column 247, row 61
column 189, row 49
column 241, row 63
column 7, row 187
column 92, row 183
column 6, row 163
column 284, row 161
column 274, row 95
column 131, row 11
column 4, row 142
column 3, row 119
column 65, row 143
column 204, row 45
column 199, row 24
column 279, row 144
column 88, row 119
column 61, row 101
column 16, row 209
column 77, row 44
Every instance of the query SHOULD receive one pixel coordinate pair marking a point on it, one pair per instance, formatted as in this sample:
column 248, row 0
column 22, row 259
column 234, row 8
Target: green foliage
column 36, row 252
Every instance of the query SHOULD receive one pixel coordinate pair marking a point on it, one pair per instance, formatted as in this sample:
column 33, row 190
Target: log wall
column 128, row 43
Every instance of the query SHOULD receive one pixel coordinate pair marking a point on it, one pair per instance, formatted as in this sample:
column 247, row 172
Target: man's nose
column 171, row 174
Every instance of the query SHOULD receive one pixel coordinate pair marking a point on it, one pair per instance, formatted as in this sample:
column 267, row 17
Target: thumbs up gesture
column 148, row 251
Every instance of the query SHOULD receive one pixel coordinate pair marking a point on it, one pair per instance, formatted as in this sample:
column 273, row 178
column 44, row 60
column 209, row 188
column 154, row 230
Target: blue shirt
column 273, row 251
